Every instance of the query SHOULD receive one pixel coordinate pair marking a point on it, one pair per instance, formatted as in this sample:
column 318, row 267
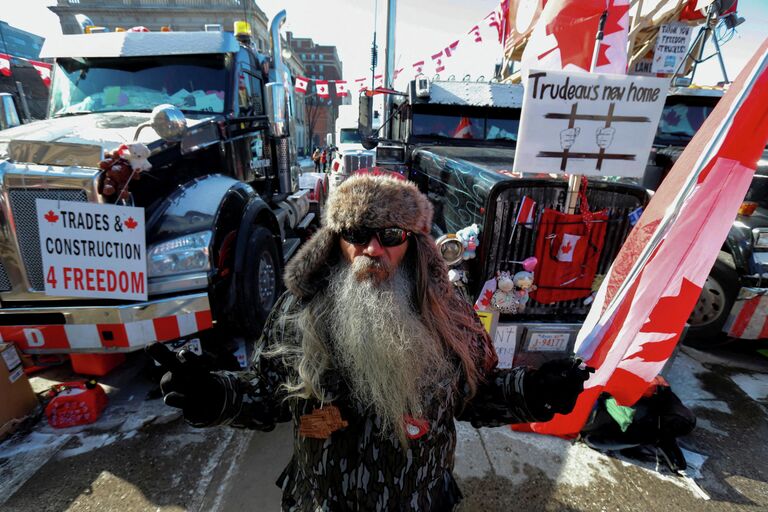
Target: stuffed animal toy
column 523, row 282
column 504, row 298
column 457, row 277
column 121, row 166
column 470, row 238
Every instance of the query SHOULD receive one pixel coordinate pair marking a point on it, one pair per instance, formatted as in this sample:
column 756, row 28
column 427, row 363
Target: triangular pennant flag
column 322, row 88
column 341, row 88
column 301, row 84
column 451, row 48
column 44, row 70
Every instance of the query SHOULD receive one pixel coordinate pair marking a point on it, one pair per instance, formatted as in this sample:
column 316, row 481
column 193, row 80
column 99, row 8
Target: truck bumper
column 748, row 318
column 101, row 329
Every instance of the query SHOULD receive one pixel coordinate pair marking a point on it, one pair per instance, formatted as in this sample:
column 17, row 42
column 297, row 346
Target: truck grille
column 619, row 200
column 24, row 210
column 5, row 283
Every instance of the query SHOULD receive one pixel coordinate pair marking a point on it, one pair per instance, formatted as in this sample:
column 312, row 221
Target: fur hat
column 363, row 201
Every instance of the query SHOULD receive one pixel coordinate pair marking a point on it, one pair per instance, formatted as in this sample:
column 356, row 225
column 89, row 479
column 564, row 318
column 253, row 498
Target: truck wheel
column 260, row 284
column 715, row 302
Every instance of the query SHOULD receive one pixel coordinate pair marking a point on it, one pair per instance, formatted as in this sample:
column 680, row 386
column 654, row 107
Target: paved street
column 141, row 456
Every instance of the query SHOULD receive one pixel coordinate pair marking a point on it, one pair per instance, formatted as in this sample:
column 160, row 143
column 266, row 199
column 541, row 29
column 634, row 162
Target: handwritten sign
column 588, row 123
column 93, row 250
column 671, row 47
column 505, row 343
column 548, row 342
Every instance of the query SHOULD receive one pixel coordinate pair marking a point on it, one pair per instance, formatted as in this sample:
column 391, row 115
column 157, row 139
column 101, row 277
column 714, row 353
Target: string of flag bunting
column 437, row 61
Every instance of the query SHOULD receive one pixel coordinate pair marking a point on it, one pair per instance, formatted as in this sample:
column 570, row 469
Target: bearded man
column 372, row 356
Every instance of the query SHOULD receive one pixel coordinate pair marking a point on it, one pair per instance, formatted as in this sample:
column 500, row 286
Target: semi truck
column 222, row 206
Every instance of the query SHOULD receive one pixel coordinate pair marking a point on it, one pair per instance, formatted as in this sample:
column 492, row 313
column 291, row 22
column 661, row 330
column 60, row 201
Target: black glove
column 554, row 387
column 189, row 385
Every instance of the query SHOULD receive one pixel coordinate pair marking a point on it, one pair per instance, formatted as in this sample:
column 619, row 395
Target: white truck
column 350, row 153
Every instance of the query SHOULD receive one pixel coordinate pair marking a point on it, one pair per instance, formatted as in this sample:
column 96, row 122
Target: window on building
column 320, row 68
column 320, row 56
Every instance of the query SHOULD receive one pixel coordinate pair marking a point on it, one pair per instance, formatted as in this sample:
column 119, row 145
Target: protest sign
column 671, row 47
column 92, row 250
column 588, row 123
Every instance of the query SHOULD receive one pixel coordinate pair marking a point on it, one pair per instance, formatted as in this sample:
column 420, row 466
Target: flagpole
column 574, row 180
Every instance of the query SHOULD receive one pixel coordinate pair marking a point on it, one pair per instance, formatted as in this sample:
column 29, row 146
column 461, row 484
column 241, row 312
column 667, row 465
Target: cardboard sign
column 505, row 343
column 588, row 123
column 671, row 47
column 548, row 342
column 93, row 250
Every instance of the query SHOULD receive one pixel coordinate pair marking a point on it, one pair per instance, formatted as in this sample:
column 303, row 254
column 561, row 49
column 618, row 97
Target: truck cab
column 221, row 200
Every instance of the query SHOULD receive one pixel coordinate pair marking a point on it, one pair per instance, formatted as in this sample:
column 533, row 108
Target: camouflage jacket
column 357, row 468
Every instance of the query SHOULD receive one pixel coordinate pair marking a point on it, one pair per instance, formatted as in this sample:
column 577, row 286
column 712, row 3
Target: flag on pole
column 44, row 70
column 301, row 84
column 564, row 36
column 5, row 64
column 341, row 88
column 322, row 88
column 648, row 293
column 418, row 67
column 451, row 48
column 525, row 213
column 612, row 55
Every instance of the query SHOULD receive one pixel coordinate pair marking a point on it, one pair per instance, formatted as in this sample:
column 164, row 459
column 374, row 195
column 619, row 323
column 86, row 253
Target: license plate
column 548, row 342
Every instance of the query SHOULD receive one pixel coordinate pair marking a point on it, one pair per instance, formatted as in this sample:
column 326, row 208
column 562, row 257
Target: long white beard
column 388, row 357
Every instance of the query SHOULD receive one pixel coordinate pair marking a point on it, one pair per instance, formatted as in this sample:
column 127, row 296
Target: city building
column 321, row 62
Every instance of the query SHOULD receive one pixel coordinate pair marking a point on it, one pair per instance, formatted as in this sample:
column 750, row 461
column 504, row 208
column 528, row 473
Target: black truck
column 222, row 202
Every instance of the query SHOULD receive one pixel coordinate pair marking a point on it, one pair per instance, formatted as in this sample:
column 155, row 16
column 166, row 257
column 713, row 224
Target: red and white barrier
column 748, row 319
column 124, row 337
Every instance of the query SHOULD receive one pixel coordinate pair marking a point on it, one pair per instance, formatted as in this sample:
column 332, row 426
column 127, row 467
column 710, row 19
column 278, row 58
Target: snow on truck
column 108, row 245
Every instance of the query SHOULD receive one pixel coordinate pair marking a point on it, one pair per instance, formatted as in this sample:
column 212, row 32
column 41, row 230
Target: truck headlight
column 761, row 238
column 188, row 253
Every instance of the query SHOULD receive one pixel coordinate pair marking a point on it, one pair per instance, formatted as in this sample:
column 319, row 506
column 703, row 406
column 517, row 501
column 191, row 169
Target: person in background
column 371, row 355
column 324, row 159
column 316, row 159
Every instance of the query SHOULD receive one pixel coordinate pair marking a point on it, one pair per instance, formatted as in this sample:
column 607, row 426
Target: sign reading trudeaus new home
column 92, row 250
column 588, row 123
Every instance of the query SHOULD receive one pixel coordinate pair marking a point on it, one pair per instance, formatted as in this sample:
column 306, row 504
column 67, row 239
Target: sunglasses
column 388, row 237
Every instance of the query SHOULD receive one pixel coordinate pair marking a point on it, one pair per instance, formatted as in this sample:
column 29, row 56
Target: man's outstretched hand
column 554, row 387
column 189, row 385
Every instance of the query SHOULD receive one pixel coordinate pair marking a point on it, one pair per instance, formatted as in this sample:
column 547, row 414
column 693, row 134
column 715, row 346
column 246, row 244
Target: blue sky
column 423, row 28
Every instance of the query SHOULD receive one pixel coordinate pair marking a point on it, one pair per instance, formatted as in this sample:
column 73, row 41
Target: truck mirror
column 329, row 139
column 167, row 121
column 390, row 154
column 365, row 122
column 278, row 120
column 9, row 116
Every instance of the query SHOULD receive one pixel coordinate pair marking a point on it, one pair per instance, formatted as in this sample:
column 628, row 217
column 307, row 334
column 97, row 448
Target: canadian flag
column 451, row 48
column 564, row 37
column 526, row 211
column 44, row 70
column 567, row 246
column 463, row 129
column 438, row 60
column 5, row 65
column 341, row 88
column 322, row 88
column 475, row 32
column 492, row 18
column 301, row 84
column 360, row 83
column 418, row 67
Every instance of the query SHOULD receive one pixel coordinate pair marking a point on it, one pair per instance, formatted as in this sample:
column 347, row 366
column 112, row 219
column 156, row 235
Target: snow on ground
column 754, row 385
column 683, row 377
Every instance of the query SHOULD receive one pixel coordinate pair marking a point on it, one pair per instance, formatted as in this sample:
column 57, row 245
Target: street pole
column 389, row 63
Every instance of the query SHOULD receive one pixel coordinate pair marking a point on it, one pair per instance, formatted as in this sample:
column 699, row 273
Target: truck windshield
column 681, row 121
column 349, row 136
column 466, row 127
column 193, row 83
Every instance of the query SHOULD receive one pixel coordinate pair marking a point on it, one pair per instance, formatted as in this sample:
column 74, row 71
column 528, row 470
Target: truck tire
column 260, row 283
column 715, row 302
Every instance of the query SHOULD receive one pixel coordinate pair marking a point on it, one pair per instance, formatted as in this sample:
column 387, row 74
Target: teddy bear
column 523, row 282
column 470, row 238
column 120, row 166
column 504, row 298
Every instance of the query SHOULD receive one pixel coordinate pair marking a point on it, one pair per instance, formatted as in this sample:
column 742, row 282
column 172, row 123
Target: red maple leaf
column 574, row 25
column 51, row 217
column 566, row 248
column 130, row 223
column 487, row 296
column 602, row 55
column 615, row 14
column 670, row 313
